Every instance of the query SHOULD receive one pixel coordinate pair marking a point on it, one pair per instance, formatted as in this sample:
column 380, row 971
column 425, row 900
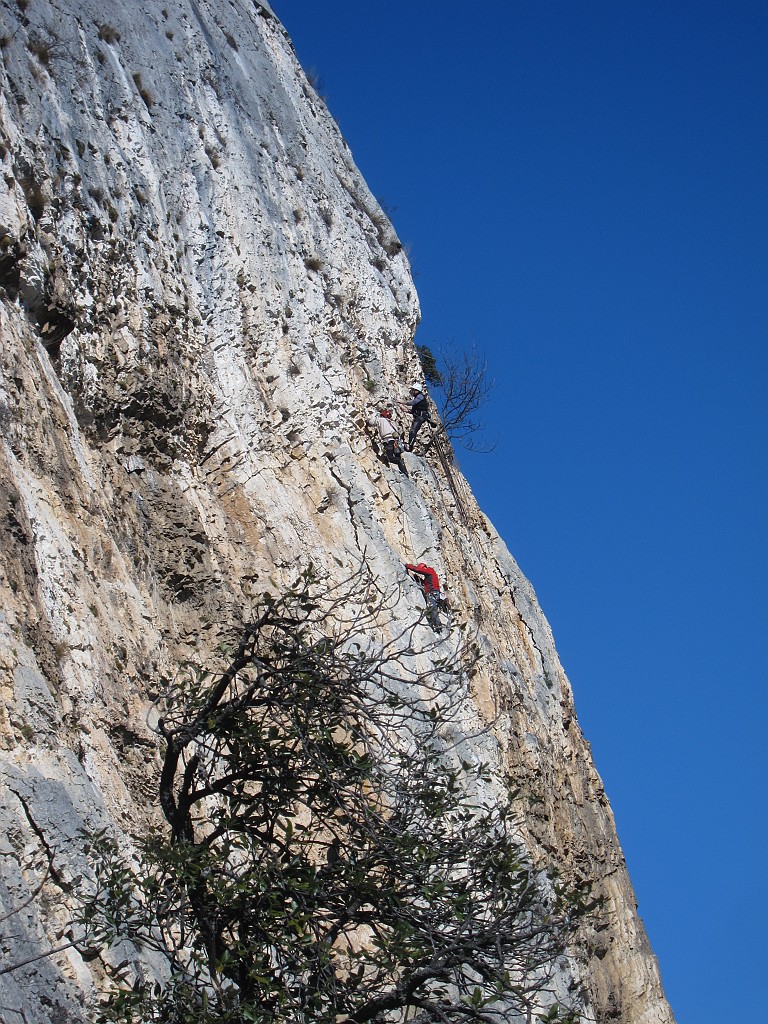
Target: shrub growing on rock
column 328, row 857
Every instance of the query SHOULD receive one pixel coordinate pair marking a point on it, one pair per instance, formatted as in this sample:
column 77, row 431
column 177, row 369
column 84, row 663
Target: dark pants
column 419, row 419
column 392, row 453
column 433, row 604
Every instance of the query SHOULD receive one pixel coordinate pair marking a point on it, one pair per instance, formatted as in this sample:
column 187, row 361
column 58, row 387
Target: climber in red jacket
column 430, row 584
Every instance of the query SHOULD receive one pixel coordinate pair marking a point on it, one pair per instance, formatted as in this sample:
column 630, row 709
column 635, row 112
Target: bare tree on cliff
column 462, row 388
column 324, row 859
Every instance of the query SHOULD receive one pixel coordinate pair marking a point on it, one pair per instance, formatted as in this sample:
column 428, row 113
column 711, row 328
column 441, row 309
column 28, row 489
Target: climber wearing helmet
column 381, row 422
column 419, row 409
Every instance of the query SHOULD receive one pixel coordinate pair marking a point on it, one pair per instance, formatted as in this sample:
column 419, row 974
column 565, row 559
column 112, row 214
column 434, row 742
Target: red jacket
column 430, row 581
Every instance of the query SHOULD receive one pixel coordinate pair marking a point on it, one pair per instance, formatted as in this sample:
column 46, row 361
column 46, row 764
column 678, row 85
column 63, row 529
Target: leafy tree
column 324, row 858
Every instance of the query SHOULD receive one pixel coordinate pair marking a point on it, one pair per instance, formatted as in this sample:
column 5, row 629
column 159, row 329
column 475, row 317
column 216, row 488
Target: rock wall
column 200, row 303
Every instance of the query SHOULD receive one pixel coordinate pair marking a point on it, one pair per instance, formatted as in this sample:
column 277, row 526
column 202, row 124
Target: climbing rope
column 450, row 477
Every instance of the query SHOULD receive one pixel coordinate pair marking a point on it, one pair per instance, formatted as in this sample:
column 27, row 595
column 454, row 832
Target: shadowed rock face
column 201, row 301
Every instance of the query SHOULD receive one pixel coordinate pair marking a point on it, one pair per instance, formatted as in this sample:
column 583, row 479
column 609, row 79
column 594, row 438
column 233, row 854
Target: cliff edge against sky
column 200, row 303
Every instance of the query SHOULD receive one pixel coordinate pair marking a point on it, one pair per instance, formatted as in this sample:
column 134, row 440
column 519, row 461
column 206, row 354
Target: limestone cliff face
column 200, row 301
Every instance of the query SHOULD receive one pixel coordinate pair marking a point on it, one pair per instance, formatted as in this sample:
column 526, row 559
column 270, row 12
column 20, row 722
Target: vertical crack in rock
column 47, row 849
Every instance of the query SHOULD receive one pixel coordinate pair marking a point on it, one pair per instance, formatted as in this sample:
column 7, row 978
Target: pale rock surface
column 201, row 301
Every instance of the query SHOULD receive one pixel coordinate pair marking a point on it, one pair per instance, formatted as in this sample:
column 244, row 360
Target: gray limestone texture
column 200, row 304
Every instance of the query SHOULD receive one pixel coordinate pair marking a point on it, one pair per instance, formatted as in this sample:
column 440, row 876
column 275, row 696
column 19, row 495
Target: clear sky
column 583, row 190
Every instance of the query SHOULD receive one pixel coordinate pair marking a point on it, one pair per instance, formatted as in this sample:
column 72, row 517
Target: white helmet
column 415, row 387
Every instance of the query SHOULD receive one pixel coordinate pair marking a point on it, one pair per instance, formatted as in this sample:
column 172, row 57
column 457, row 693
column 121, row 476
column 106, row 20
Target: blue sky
column 583, row 190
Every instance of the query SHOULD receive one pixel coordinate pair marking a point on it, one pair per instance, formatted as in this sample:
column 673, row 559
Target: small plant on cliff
column 41, row 48
column 324, row 860
column 313, row 263
column 108, row 34
column 146, row 95
column 314, row 79
column 429, row 365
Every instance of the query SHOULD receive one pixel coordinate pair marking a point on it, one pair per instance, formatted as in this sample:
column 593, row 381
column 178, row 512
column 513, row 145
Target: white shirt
column 384, row 426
